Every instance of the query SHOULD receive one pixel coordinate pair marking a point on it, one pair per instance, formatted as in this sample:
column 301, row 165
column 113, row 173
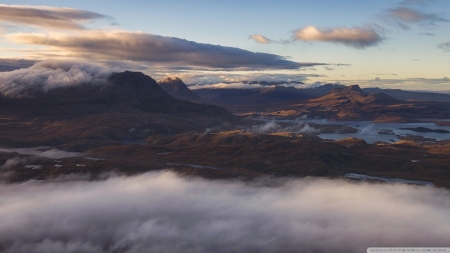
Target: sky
column 379, row 43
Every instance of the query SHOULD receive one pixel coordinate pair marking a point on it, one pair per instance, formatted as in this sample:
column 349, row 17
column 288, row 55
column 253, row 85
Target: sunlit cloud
column 354, row 37
column 47, row 17
column 260, row 39
column 145, row 47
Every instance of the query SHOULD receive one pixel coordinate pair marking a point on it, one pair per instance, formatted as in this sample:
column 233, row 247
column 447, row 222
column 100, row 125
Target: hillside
column 130, row 105
column 178, row 89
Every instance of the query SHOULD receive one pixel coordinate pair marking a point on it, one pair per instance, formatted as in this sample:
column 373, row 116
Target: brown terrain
column 352, row 103
column 133, row 126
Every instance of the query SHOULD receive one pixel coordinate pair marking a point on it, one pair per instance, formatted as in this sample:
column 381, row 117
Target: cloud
column 12, row 64
column 428, row 34
column 273, row 127
column 160, row 50
column 445, row 46
column 41, row 151
column 161, row 212
column 13, row 162
column 241, row 85
column 46, row 16
column 354, row 37
column 48, row 75
column 260, row 39
column 229, row 86
column 402, row 16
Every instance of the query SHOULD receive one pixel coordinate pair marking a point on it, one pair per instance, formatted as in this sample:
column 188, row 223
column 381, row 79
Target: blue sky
column 398, row 44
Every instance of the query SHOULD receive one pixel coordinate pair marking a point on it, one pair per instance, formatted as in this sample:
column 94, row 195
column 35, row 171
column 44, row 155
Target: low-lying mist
column 51, row 74
column 162, row 212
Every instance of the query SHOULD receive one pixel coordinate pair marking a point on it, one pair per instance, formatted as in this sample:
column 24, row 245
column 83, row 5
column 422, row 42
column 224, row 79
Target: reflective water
column 371, row 131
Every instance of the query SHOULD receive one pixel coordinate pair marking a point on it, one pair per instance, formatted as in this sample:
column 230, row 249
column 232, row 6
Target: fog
column 48, row 75
column 273, row 127
column 162, row 212
column 43, row 151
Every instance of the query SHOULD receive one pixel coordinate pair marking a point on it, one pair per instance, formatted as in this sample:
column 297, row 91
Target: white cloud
column 355, row 37
column 48, row 75
column 161, row 212
column 229, row 86
column 42, row 151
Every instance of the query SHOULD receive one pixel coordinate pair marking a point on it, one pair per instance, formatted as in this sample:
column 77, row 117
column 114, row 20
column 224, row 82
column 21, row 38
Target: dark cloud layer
column 13, row 64
column 164, row 213
column 45, row 16
column 144, row 47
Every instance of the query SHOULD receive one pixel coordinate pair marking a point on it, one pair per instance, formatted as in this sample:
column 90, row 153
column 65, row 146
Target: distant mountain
column 124, row 92
column 262, row 98
column 411, row 95
column 352, row 103
column 130, row 105
column 178, row 89
column 354, row 94
column 267, row 83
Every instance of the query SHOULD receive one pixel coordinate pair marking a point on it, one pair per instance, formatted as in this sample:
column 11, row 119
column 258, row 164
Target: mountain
column 178, row 89
column 354, row 94
column 130, row 105
column 124, row 92
column 352, row 103
column 240, row 100
column 411, row 95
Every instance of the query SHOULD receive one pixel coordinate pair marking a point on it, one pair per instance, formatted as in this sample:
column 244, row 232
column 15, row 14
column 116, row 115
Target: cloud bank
column 13, row 64
column 48, row 75
column 354, row 37
column 46, row 16
column 145, row 47
column 162, row 212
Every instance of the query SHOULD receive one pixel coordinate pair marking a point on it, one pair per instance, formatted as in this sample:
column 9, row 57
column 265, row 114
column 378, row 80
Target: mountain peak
column 178, row 89
column 349, row 89
column 170, row 79
column 354, row 87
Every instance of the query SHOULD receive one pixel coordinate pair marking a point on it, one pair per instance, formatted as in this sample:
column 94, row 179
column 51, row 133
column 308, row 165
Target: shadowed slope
column 178, row 89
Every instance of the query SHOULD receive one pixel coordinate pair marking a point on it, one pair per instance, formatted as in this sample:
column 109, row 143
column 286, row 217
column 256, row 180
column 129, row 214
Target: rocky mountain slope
column 178, row 89
column 130, row 105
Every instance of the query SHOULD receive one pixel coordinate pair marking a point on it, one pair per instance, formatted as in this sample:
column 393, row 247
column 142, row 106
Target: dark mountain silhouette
column 124, row 92
column 178, row 89
column 130, row 105
column 253, row 99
